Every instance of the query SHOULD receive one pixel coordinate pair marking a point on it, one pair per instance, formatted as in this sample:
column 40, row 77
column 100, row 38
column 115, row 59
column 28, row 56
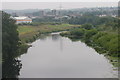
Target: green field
column 27, row 32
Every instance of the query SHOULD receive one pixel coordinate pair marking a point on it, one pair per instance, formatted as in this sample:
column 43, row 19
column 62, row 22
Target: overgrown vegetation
column 102, row 37
column 29, row 33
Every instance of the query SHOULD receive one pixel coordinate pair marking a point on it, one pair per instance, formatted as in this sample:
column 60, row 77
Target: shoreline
column 97, row 48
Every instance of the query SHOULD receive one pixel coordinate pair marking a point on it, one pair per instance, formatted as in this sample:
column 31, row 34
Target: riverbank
column 105, row 43
column 29, row 33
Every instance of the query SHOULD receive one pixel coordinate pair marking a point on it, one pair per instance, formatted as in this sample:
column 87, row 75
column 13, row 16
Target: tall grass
column 27, row 32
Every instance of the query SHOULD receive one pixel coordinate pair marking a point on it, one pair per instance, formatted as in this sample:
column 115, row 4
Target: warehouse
column 23, row 20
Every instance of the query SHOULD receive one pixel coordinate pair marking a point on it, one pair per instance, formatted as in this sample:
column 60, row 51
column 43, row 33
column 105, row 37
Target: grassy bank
column 29, row 33
column 104, row 42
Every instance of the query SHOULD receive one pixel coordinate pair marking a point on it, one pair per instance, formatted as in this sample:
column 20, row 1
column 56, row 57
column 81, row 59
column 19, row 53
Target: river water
column 53, row 56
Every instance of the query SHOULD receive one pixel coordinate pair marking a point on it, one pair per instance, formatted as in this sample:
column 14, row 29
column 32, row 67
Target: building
column 102, row 15
column 43, row 13
column 23, row 20
column 54, row 12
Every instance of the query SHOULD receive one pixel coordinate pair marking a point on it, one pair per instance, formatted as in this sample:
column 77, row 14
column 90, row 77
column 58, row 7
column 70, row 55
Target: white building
column 23, row 20
column 102, row 15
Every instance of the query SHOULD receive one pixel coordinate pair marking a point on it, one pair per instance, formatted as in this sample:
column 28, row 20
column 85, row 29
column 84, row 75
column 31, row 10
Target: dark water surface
column 54, row 56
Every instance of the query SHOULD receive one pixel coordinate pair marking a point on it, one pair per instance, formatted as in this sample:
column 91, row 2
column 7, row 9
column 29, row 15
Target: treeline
column 90, row 18
column 87, row 17
column 106, row 23
column 39, row 23
column 46, row 19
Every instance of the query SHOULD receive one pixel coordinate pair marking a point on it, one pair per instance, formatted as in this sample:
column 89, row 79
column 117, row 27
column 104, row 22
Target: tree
column 78, row 32
column 90, row 33
column 9, row 37
column 87, row 26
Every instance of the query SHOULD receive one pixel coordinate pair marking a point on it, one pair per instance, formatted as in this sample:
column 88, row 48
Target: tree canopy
column 10, row 39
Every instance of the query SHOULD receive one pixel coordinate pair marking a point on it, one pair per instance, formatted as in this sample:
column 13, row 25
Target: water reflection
column 46, row 61
column 59, row 57
column 11, row 69
column 57, row 37
column 42, row 37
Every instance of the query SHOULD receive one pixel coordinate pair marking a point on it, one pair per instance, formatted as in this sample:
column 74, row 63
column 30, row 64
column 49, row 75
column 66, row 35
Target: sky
column 59, row 0
column 53, row 4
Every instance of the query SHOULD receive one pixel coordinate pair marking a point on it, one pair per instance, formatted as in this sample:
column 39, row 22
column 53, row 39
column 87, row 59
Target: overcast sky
column 55, row 5
column 59, row 0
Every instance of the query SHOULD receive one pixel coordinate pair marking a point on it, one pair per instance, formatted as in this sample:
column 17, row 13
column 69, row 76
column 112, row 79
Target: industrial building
column 23, row 20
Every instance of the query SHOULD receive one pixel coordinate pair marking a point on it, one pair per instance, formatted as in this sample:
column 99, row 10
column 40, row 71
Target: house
column 23, row 20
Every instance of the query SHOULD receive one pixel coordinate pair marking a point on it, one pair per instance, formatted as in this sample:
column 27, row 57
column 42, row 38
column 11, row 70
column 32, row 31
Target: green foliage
column 78, row 32
column 46, row 19
column 84, row 19
column 65, row 33
column 89, row 34
column 35, row 24
column 23, row 48
column 110, row 23
column 87, row 26
column 103, row 42
column 108, row 41
column 10, row 37
column 30, row 33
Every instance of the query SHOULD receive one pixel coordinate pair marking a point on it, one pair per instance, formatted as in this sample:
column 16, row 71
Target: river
column 54, row 56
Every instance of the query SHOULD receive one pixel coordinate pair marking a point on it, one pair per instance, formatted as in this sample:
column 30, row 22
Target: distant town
column 28, row 16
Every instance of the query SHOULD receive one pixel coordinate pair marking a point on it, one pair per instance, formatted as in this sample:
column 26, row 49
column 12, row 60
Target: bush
column 78, row 32
column 87, row 26
column 90, row 33
column 108, row 41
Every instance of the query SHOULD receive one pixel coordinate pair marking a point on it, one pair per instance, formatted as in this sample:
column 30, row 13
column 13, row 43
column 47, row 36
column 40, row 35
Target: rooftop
column 20, row 17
